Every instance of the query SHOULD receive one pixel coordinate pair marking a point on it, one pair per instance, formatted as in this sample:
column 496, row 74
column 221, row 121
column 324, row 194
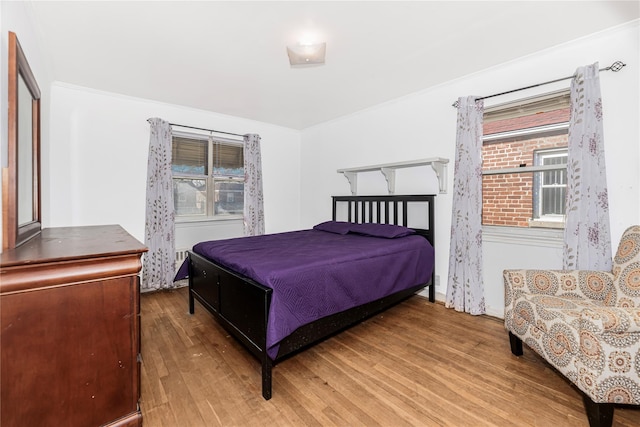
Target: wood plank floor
column 417, row 364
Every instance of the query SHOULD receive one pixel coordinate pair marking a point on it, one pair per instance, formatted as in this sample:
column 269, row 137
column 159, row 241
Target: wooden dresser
column 70, row 329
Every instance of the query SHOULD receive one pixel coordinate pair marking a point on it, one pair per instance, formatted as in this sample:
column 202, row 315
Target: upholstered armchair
column 584, row 323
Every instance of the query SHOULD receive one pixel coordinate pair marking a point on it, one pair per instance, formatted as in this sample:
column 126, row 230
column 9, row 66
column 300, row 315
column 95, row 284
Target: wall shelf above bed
column 438, row 164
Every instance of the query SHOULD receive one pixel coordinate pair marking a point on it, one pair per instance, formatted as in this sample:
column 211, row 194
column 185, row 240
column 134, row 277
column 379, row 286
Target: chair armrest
column 588, row 284
column 612, row 320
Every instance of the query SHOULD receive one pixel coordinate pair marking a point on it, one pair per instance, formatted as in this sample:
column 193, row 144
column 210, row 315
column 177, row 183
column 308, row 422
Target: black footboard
column 240, row 304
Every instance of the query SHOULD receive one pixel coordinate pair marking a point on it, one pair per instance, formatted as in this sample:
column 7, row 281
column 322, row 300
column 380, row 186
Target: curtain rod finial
column 617, row 66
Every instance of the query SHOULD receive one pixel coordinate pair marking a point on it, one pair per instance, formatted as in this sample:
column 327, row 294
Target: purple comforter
column 316, row 273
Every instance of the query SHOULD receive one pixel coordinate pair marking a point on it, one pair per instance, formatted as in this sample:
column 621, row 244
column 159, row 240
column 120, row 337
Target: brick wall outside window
column 508, row 198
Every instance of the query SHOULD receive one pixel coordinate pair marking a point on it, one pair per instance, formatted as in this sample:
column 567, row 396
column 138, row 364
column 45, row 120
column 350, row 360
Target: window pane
column 522, row 193
column 553, row 200
column 507, row 199
column 557, row 177
column 550, row 186
column 189, row 156
column 229, row 197
column 228, row 160
column 190, row 196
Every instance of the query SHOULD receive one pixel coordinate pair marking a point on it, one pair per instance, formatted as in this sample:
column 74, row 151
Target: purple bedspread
column 315, row 273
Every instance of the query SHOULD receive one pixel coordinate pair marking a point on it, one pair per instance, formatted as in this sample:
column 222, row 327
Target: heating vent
column 181, row 254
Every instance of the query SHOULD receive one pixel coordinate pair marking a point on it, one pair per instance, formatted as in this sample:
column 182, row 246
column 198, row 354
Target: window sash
column 210, row 176
column 550, row 187
column 189, row 156
column 190, row 203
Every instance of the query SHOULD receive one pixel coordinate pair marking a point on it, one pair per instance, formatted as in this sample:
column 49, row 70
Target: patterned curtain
column 158, row 266
column 253, row 198
column 587, row 240
column 465, row 290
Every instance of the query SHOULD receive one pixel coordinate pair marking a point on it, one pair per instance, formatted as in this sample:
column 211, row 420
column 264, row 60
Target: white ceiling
column 230, row 57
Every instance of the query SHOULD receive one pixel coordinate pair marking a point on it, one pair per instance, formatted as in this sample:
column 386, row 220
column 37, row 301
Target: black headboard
column 386, row 210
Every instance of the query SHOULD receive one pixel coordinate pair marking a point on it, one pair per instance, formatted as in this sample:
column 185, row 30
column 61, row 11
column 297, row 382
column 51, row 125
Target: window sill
column 533, row 223
column 534, row 236
column 198, row 220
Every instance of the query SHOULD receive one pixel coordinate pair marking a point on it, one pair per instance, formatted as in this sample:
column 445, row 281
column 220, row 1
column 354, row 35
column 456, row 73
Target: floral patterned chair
column 584, row 323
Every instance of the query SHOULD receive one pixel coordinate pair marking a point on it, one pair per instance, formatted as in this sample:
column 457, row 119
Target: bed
column 279, row 293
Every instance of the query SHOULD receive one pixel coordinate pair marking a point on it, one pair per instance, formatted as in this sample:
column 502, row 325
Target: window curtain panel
column 158, row 267
column 587, row 239
column 465, row 290
column 253, row 197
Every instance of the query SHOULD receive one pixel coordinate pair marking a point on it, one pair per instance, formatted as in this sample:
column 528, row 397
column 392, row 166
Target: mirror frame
column 14, row 233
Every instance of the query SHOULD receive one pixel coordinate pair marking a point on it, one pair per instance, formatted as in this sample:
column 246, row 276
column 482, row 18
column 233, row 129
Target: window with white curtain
column 208, row 176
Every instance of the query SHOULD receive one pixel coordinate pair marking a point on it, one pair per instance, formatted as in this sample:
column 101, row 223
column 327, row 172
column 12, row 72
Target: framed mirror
column 21, row 214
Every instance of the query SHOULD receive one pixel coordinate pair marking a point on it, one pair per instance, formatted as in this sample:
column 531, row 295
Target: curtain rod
column 615, row 67
column 206, row 130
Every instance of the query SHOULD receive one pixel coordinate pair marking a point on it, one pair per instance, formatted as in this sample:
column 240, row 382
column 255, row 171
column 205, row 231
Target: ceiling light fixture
column 306, row 54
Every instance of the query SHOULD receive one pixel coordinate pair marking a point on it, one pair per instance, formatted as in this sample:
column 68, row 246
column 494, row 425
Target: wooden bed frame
column 241, row 304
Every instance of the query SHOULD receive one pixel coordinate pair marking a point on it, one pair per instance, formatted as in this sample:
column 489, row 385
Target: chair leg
column 599, row 414
column 516, row 344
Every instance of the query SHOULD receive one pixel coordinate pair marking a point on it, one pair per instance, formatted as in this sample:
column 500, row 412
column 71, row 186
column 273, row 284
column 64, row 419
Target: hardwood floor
column 417, row 364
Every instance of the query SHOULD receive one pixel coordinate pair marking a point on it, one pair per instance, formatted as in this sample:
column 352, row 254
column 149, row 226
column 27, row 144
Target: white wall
column 98, row 150
column 423, row 125
column 94, row 146
column 16, row 17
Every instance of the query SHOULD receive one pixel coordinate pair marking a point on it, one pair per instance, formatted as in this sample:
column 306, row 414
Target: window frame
column 547, row 103
column 538, row 184
column 209, row 177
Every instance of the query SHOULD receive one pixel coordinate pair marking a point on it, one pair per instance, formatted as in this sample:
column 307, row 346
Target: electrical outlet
column 437, row 281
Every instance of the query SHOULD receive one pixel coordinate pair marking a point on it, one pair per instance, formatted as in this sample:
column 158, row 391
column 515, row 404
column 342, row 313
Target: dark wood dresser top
column 70, row 243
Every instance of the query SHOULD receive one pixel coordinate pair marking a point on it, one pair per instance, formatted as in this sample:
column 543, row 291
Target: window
column 524, row 152
column 208, row 176
column 550, row 187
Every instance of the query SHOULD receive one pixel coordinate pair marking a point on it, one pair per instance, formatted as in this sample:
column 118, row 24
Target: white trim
column 540, row 237
column 526, row 131
column 561, row 93
column 197, row 221
column 202, row 135
column 497, row 312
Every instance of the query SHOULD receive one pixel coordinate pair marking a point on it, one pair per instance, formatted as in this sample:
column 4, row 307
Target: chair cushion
column 612, row 320
column 554, row 322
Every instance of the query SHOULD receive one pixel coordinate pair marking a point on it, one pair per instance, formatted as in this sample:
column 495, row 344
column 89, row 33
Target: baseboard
column 490, row 311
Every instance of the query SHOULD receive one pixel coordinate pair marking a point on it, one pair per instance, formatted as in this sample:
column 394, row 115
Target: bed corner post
column 432, row 234
column 191, row 302
column 267, row 363
column 266, row 376
column 190, row 282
